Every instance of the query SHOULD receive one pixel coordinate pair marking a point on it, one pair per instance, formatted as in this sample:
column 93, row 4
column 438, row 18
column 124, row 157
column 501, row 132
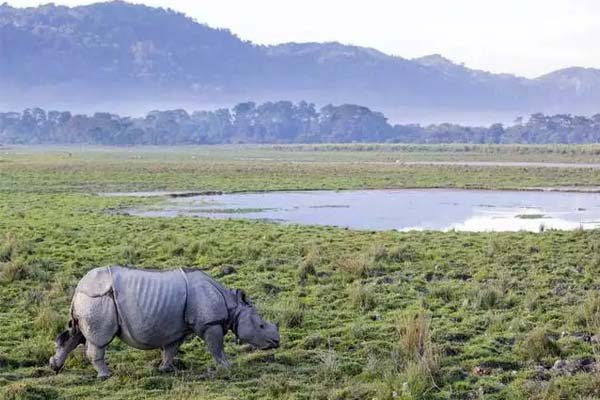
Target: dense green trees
column 279, row 122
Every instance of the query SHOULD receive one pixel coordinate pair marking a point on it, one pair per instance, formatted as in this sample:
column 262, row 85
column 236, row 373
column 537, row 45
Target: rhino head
column 251, row 328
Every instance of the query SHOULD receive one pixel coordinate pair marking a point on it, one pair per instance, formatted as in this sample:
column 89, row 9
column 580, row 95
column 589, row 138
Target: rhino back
column 151, row 306
column 208, row 301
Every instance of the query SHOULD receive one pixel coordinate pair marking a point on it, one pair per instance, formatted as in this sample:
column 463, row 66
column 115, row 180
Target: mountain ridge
column 113, row 51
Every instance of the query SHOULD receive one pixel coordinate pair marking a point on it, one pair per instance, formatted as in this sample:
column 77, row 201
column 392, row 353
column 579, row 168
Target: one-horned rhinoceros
column 157, row 309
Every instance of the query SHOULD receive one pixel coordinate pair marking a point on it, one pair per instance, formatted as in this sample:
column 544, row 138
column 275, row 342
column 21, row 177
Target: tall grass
column 312, row 258
column 539, row 345
column 362, row 296
column 357, row 266
column 415, row 341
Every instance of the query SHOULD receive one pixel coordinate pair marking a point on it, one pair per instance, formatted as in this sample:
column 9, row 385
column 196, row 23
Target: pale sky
column 524, row 37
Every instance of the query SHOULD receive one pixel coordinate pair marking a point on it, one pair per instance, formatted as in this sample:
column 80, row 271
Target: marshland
column 362, row 313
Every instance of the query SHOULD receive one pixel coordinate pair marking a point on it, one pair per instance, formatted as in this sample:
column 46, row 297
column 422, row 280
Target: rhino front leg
column 168, row 355
column 213, row 337
column 96, row 356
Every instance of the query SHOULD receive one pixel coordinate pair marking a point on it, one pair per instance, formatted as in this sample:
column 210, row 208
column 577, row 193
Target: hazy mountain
column 570, row 88
column 132, row 58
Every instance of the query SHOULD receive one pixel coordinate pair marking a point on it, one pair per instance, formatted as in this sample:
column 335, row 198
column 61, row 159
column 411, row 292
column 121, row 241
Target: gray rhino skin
column 157, row 309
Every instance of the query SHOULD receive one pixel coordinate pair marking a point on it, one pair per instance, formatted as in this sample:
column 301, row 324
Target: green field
column 363, row 314
column 240, row 168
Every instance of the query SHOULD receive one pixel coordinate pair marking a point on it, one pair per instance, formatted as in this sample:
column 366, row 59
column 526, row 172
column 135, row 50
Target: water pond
column 404, row 210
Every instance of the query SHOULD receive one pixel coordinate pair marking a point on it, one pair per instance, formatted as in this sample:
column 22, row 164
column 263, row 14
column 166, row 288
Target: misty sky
column 525, row 37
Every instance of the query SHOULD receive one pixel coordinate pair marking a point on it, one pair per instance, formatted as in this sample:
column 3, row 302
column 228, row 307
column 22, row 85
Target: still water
column 423, row 209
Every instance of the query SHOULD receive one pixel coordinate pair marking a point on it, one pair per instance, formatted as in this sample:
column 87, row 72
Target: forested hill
column 278, row 122
column 130, row 56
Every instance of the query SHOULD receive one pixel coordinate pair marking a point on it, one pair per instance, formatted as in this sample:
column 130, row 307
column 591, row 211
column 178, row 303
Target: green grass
column 235, row 168
column 362, row 314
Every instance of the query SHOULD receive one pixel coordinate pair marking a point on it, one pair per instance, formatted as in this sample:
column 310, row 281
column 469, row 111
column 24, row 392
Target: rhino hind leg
column 96, row 356
column 97, row 317
column 168, row 355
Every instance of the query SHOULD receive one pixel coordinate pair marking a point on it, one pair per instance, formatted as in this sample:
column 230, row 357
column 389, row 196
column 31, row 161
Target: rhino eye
column 262, row 326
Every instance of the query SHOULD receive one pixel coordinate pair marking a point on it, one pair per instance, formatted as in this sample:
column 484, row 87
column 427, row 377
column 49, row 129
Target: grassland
column 363, row 314
column 235, row 168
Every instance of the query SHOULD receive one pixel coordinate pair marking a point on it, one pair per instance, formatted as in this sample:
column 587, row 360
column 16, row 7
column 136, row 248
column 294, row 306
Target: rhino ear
column 240, row 295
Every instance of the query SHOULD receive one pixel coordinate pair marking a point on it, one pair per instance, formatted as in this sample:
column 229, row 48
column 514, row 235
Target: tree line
column 278, row 122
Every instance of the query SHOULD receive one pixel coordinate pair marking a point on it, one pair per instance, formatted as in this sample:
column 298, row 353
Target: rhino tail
column 72, row 333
